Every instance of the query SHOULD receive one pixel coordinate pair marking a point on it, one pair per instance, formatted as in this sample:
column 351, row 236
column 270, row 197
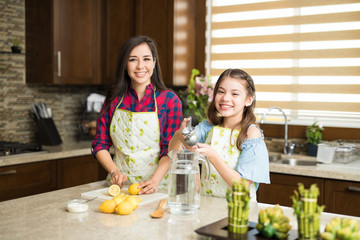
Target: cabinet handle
column 355, row 189
column 10, row 172
column 59, row 64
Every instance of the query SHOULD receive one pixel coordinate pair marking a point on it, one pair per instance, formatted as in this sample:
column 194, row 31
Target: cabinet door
column 342, row 197
column 78, row 170
column 63, row 39
column 77, row 41
column 27, row 179
column 282, row 188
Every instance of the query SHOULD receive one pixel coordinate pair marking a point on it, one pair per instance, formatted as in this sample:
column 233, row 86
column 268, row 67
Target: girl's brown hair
column 248, row 116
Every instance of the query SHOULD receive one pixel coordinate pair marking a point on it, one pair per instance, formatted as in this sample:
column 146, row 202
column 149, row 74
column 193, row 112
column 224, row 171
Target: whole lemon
column 133, row 189
column 108, row 206
column 124, row 208
column 134, row 201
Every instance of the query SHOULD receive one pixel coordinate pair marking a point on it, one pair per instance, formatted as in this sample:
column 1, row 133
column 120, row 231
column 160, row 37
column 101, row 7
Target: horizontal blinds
column 304, row 56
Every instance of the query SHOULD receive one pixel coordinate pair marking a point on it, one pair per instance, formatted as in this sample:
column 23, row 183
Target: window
column 304, row 55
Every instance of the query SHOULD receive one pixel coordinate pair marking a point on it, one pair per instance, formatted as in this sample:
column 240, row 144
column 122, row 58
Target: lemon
column 108, row 206
column 133, row 189
column 124, row 208
column 114, row 190
column 134, row 201
column 120, row 198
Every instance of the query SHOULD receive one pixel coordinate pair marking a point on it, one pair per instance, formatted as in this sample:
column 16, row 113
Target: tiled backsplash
column 67, row 102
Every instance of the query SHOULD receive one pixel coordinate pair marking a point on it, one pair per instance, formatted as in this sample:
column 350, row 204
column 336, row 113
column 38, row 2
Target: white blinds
column 304, row 55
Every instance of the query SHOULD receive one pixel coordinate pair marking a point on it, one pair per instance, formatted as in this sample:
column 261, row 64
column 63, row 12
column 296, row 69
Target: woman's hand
column 118, row 178
column 148, row 187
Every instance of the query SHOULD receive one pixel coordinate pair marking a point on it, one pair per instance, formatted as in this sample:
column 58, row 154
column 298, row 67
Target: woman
column 230, row 138
column 139, row 117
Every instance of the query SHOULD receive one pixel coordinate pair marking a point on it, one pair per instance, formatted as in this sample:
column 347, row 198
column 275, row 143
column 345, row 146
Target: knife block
column 47, row 133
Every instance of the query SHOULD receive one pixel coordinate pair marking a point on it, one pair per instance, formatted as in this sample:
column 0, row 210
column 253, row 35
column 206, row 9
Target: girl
column 230, row 138
column 139, row 117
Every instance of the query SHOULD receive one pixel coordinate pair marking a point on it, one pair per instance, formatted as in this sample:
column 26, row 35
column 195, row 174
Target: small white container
column 77, row 206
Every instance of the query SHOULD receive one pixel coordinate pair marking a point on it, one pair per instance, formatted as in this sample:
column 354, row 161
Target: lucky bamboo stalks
column 307, row 211
column 238, row 207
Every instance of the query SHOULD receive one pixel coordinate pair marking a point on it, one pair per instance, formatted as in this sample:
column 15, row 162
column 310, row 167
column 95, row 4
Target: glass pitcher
column 184, row 181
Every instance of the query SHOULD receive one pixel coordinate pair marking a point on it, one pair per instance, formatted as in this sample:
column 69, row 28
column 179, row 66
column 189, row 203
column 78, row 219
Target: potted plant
column 15, row 48
column 313, row 138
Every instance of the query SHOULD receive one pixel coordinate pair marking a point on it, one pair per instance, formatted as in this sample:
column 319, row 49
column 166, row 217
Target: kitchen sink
column 292, row 160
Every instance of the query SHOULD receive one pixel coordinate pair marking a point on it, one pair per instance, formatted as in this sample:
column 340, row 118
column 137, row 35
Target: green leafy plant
column 16, row 42
column 198, row 95
column 314, row 133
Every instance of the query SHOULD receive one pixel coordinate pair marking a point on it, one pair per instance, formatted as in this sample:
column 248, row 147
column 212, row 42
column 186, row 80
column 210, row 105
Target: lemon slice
column 114, row 190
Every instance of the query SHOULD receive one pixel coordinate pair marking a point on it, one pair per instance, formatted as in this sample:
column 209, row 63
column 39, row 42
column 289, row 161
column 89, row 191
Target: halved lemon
column 114, row 190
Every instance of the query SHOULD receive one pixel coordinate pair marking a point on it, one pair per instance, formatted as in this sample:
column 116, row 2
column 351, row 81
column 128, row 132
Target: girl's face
column 140, row 65
column 231, row 98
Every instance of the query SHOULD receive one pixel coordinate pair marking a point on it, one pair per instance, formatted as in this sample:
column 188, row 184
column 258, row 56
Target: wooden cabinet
column 342, row 197
column 33, row 178
column 282, row 188
column 338, row 196
column 63, row 41
column 78, row 41
column 27, row 179
column 78, row 170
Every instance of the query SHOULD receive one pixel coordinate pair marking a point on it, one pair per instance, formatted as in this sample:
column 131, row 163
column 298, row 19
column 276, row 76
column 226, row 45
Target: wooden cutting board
column 103, row 194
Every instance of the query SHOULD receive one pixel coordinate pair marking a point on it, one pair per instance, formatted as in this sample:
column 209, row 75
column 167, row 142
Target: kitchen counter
column 64, row 150
column 349, row 171
column 44, row 216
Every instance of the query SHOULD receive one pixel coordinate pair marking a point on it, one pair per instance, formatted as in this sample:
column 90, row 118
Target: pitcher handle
column 204, row 159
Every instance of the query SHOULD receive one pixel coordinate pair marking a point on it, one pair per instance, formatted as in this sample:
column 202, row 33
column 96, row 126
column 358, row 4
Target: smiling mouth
column 225, row 106
column 140, row 74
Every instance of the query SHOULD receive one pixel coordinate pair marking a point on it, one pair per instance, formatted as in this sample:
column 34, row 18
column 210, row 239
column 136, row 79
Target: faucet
column 288, row 148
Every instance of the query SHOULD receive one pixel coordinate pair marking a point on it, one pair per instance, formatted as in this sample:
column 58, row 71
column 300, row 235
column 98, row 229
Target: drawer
column 27, row 179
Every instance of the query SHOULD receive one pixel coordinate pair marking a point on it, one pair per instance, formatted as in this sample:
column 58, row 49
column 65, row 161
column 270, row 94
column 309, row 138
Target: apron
column 136, row 140
column 219, row 139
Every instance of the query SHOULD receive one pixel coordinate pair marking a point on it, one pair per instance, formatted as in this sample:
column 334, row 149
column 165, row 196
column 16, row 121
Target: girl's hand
column 208, row 151
column 118, row 178
column 148, row 187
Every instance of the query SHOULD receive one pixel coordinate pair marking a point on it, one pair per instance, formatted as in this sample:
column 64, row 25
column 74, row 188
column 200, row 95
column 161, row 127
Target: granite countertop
column 44, row 216
column 64, row 150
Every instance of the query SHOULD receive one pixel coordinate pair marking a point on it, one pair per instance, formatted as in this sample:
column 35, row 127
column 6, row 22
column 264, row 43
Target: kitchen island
column 44, row 216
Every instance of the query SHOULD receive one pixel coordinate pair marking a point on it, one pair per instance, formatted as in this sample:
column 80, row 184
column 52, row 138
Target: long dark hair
column 248, row 116
column 122, row 78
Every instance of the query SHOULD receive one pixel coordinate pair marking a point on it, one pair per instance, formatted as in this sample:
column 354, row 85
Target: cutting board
column 103, row 194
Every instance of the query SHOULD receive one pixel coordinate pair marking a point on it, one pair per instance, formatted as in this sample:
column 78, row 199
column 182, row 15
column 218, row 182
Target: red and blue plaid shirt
column 169, row 114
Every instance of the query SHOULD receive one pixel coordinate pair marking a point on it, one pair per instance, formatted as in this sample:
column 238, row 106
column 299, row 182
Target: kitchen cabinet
column 78, row 170
column 78, row 41
column 338, row 196
column 27, row 179
column 342, row 197
column 282, row 187
column 34, row 178
column 64, row 39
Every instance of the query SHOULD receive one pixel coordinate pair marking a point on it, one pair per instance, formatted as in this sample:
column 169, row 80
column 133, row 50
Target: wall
column 16, row 96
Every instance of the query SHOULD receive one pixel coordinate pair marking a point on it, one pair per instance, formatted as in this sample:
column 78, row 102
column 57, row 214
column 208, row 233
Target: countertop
column 349, row 171
column 64, row 150
column 44, row 216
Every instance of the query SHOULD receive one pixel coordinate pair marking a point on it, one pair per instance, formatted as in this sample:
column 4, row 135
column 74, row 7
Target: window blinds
column 304, row 55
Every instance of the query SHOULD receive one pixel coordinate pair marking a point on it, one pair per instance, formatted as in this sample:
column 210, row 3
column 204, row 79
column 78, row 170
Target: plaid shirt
column 169, row 114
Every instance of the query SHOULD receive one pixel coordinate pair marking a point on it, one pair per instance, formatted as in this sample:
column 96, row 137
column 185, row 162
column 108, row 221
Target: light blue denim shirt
column 253, row 162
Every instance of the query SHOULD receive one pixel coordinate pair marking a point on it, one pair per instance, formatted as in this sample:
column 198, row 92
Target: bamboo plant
column 307, row 211
column 238, row 207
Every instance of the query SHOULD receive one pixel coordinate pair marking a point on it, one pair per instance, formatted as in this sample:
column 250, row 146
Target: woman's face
column 231, row 98
column 140, row 65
